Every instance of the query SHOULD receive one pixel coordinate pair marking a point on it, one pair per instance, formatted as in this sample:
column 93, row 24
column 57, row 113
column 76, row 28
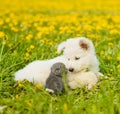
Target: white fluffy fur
column 88, row 79
column 38, row 71
column 49, row 90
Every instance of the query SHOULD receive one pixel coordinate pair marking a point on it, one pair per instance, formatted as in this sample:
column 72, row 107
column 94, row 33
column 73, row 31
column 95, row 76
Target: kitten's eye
column 57, row 69
column 77, row 58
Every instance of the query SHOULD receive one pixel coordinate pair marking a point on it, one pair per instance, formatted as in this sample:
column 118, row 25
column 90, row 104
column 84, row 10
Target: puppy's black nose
column 71, row 69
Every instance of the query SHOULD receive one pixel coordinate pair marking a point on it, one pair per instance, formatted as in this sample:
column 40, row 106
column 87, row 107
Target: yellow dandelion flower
column 29, row 36
column 11, row 25
column 18, row 82
column 96, row 45
column 14, row 52
column 78, row 35
column 39, row 34
column 4, row 42
column 118, row 67
column 42, row 41
column 65, row 107
column 110, row 44
column 98, row 27
column 27, row 54
column 38, row 86
column 17, row 96
column 15, row 22
column 61, row 32
column 88, row 27
column 109, row 75
column 2, row 34
column 118, row 57
column 20, row 85
column 10, row 45
column 1, row 22
column 108, row 57
column 23, row 29
column 69, row 31
column 102, row 53
column 118, row 70
column 92, row 36
column 23, row 92
column 51, row 28
column 28, row 50
column 14, row 29
column 109, row 39
column 95, row 86
column 28, row 103
column 7, row 20
column 35, row 24
column 114, row 31
column 32, row 46
column 50, row 43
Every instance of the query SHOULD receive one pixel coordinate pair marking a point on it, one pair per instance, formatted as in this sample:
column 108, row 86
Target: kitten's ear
column 61, row 47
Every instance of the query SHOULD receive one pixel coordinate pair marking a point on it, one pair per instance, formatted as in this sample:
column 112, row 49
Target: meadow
column 31, row 30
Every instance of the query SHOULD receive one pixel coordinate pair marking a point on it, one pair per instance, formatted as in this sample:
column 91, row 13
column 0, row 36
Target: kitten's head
column 58, row 69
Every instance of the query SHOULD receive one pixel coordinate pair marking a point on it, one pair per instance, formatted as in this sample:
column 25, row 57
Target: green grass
column 102, row 99
column 27, row 98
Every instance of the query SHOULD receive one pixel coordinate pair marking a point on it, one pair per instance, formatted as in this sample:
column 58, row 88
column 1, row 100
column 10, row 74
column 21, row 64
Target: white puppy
column 81, row 56
column 78, row 55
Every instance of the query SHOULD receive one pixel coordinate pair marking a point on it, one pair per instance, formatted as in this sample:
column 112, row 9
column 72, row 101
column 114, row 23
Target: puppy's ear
column 61, row 47
column 84, row 44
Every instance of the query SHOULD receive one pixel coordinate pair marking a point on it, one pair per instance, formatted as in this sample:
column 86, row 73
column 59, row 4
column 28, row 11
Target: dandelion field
column 31, row 30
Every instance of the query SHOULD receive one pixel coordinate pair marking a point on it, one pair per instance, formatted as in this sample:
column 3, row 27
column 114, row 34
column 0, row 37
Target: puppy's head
column 58, row 69
column 76, row 50
column 72, row 44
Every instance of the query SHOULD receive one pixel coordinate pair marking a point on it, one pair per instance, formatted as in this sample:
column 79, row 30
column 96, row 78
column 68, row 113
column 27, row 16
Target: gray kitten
column 54, row 83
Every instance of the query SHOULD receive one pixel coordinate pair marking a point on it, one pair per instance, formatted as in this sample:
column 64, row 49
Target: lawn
column 31, row 30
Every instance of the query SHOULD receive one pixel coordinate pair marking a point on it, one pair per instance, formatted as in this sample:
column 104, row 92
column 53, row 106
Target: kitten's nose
column 71, row 69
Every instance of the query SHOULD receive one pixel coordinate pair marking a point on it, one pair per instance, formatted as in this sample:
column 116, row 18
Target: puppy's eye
column 68, row 59
column 77, row 58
